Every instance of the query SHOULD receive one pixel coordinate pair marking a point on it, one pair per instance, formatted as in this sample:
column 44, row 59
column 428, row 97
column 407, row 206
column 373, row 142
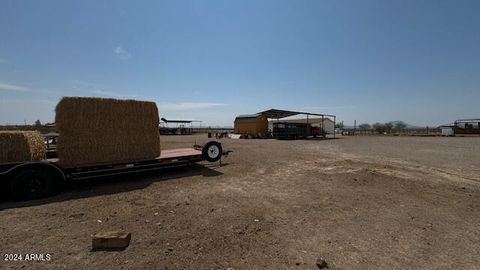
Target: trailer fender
column 36, row 165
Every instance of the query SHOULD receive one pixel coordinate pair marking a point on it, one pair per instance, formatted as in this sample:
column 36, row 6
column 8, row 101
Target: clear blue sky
column 417, row 61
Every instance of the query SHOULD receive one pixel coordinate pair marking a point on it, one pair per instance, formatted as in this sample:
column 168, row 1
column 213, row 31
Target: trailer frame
column 38, row 179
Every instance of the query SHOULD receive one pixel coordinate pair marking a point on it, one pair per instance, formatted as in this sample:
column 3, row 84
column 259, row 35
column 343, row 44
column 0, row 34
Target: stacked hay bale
column 100, row 130
column 21, row 146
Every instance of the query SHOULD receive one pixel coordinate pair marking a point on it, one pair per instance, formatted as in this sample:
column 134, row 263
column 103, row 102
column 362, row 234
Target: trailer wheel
column 212, row 151
column 33, row 184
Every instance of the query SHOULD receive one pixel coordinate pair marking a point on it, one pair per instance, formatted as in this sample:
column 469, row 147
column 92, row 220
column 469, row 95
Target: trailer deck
column 167, row 159
column 181, row 152
column 164, row 155
column 37, row 179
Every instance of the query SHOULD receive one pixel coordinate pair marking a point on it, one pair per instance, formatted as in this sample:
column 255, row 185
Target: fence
column 212, row 130
column 404, row 132
column 41, row 129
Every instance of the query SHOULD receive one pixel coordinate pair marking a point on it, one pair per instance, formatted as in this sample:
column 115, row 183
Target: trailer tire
column 212, row 151
column 33, row 184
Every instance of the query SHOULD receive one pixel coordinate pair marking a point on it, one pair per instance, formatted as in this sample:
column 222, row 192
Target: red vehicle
column 318, row 132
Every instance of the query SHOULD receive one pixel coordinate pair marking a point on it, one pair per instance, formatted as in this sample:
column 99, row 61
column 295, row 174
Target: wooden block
column 113, row 240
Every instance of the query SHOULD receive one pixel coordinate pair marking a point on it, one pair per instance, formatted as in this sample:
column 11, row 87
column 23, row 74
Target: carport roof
column 176, row 121
column 249, row 115
column 278, row 114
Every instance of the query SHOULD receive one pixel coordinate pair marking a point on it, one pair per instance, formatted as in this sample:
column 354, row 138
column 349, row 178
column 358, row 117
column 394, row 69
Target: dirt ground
column 357, row 202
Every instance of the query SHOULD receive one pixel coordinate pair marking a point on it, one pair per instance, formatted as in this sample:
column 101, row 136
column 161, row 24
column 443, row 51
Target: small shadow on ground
column 118, row 184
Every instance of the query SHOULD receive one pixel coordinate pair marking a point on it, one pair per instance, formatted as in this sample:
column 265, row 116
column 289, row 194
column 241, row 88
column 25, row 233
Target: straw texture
column 21, row 146
column 100, row 130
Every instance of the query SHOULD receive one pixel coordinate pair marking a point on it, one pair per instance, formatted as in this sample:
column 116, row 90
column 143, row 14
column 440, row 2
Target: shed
column 447, row 131
column 251, row 124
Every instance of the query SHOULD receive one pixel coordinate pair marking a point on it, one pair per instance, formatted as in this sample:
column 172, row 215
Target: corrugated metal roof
column 175, row 121
column 278, row 114
column 305, row 120
column 255, row 115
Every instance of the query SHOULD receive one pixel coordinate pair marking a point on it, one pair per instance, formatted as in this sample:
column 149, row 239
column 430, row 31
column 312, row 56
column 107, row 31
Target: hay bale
column 84, row 113
column 100, row 130
column 21, row 146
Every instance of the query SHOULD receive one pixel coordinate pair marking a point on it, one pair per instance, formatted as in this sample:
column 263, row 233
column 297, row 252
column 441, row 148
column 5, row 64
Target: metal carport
column 279, row 114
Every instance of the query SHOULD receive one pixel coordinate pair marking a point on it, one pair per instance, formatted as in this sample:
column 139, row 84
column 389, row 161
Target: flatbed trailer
column 38, row 179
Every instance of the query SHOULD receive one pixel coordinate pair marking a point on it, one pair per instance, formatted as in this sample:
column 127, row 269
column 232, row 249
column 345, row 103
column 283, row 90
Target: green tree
column 400, row 125
column 38, row 123
column 339, row 125
column 364, row 126
column 379, row 127
column 388, row 127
